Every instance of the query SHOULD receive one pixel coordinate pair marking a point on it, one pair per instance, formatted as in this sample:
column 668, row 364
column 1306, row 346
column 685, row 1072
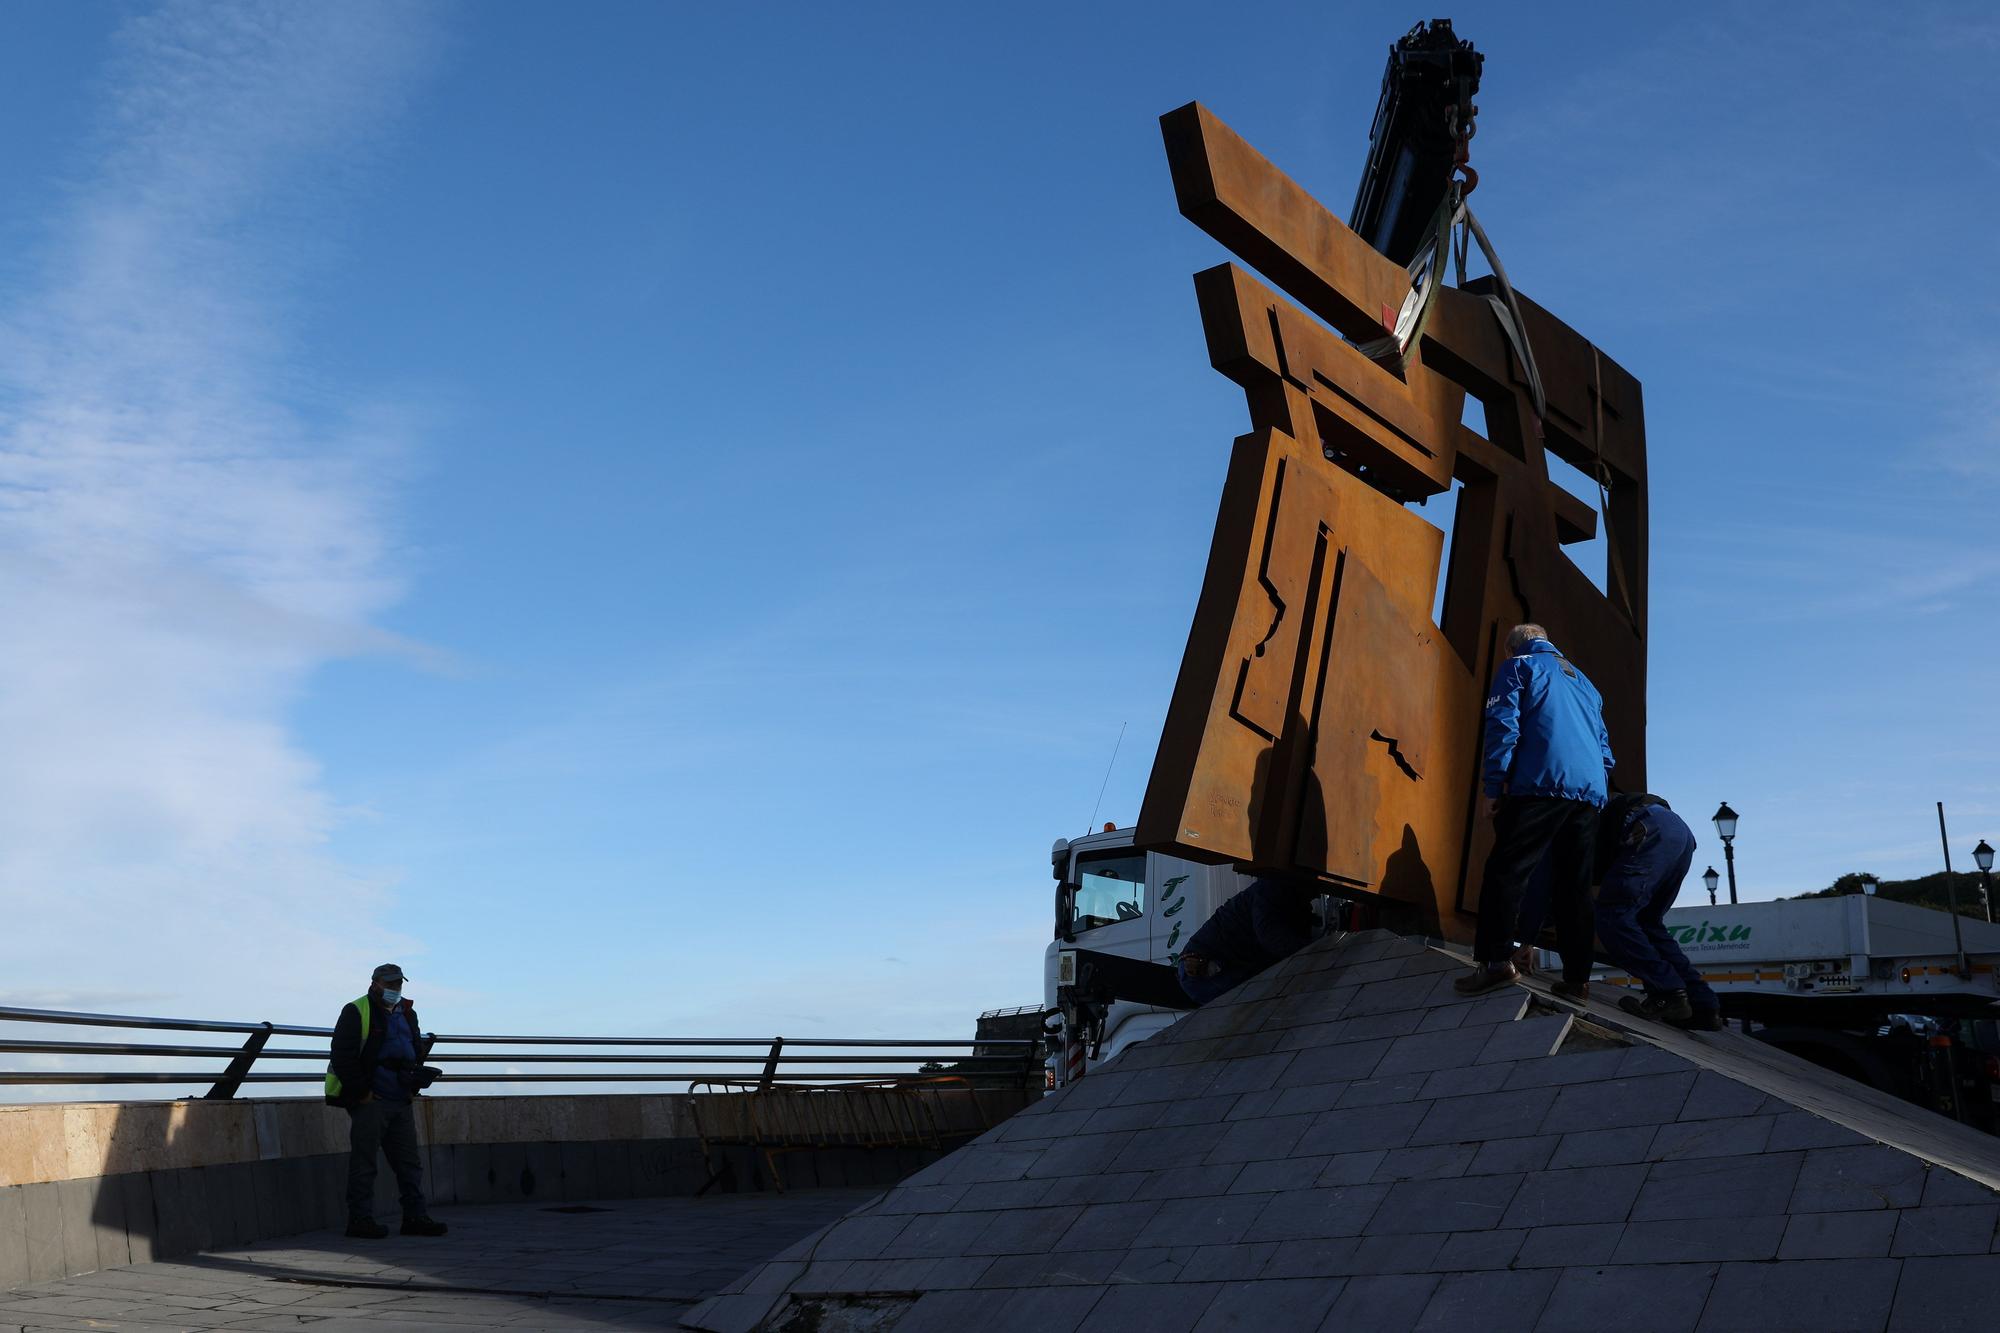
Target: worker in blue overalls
column 1644, row 850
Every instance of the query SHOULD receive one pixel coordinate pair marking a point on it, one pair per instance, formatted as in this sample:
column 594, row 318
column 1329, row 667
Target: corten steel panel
column 1322, row 722
column 1232, row 192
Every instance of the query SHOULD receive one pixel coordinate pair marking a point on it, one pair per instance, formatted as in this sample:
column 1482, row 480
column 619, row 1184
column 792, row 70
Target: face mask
column 392, row 998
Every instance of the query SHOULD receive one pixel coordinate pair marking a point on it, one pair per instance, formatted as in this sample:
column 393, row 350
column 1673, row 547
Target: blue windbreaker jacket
column 1545, row 729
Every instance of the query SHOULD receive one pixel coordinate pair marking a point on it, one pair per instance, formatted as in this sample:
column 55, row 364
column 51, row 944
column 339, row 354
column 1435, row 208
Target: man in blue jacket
column 1546, row 774
column 1266, row 923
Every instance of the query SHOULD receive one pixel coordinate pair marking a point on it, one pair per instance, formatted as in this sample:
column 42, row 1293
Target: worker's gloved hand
column 1196, row 966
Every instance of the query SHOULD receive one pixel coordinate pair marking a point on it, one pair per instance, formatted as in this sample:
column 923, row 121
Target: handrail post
column 232, row 1077
column 771, row 1065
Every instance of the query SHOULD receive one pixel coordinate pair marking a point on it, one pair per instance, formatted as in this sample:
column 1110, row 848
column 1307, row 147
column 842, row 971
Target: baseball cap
column 387, row 972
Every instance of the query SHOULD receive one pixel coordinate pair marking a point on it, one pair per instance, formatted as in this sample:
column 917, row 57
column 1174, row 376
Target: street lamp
column 1982, row 856
column 1869, row 885
column 1725, row 825
column 1709, row 877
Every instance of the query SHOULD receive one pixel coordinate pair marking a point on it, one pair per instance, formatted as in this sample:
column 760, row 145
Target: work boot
column 1703, row 1020
column 366, row 1228
column 1666, row 1006
column 1484, row 977
column 1571, row 990
column 422, row 1226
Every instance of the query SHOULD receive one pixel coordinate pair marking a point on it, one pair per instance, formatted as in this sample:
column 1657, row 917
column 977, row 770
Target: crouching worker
column 1644, row 850
column 376, row 1074
column 1269, row 921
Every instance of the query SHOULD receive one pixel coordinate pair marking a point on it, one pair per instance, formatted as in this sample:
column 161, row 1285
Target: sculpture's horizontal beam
column 1232, row 192
column 1401, row 432
column 1399, row 435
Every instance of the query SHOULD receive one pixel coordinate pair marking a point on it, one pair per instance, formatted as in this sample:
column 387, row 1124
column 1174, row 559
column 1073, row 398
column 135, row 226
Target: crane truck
column 1123, row 915
column 1122, row 912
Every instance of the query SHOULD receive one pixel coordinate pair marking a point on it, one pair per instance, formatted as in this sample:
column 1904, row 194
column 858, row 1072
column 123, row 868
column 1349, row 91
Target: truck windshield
column 1111, row 886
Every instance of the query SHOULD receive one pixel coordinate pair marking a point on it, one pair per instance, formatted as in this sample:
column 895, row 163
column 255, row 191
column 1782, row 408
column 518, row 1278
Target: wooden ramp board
column 1874, row 1115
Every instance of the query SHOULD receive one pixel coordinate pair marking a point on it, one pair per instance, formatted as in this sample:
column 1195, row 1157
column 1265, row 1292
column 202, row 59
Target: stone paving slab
column 638, row 1263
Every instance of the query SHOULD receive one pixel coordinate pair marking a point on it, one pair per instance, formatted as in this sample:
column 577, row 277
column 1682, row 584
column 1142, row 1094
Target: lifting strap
column 1452, row 228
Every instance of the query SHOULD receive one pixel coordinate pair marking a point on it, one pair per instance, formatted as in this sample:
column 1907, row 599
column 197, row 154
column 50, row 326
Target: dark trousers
column 1525, row 830
column 1632, row 904
column 391, row 1128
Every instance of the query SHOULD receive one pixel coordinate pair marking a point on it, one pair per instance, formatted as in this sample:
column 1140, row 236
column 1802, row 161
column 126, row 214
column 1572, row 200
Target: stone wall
column 95, row 1185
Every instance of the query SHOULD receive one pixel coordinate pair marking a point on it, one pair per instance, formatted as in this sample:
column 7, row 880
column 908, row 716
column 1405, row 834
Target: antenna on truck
column 1090, row 825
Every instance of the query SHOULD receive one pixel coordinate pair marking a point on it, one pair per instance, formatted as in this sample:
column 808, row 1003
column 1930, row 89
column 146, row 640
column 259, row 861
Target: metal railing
column 663, row 1060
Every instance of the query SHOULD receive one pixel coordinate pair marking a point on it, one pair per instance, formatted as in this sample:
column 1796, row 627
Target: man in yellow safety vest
column 376, row 1072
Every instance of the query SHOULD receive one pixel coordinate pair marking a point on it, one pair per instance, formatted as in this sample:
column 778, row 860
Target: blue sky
column 654, row 515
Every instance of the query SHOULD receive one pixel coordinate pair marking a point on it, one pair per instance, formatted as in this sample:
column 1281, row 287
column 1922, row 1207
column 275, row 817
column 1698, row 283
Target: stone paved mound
column 1345, row 1143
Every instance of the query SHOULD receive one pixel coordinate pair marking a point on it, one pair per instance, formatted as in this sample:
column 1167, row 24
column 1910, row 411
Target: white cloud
column 186, row 531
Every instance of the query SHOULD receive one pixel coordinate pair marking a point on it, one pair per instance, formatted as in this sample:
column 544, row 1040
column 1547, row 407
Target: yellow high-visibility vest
column 365, row 1009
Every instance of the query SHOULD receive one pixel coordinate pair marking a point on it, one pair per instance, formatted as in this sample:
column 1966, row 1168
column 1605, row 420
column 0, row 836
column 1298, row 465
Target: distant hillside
column 1926, row 892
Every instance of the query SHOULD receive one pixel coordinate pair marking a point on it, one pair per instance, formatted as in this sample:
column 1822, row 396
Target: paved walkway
column 630, row 1263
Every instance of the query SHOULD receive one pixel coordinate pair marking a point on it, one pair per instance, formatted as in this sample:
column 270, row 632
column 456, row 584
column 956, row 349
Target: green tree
column 1927, row 891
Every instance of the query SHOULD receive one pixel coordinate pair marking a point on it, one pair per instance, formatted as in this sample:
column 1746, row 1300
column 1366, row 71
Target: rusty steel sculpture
column 1322, row 722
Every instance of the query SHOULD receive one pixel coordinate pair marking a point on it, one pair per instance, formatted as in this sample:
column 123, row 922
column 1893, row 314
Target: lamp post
column 1869, row 885
column 1709, row 877
column 1725, row 825
column 1982, row 856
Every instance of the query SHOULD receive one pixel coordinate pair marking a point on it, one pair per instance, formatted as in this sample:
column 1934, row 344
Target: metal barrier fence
column 774, row 1119
column 664, row 1058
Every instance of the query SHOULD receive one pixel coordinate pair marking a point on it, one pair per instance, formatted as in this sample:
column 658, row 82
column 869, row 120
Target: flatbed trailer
column 1881, row 991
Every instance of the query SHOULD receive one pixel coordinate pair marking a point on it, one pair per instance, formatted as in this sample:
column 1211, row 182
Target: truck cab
column 1115, row 901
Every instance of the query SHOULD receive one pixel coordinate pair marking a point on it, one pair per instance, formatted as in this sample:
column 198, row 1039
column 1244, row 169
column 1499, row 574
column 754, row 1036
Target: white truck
column 1883, row 992
column 1123, row 913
